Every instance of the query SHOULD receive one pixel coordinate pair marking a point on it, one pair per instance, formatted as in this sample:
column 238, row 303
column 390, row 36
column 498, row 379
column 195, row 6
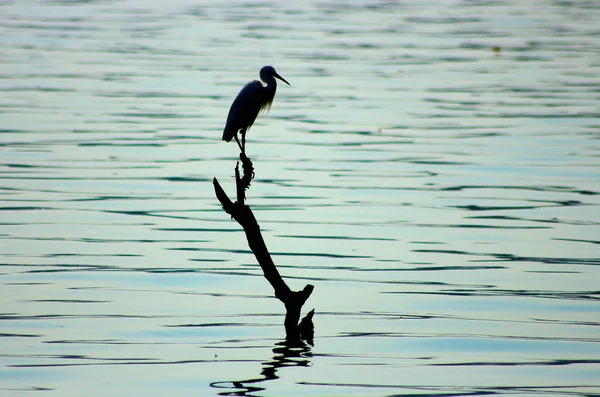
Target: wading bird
column 251, row 100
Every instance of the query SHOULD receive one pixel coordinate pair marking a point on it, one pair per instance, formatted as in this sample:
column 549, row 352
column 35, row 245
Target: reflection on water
column 442, row 196
column 287, row 353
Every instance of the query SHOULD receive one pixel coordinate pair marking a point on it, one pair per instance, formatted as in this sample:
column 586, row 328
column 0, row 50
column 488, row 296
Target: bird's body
column 252, row 99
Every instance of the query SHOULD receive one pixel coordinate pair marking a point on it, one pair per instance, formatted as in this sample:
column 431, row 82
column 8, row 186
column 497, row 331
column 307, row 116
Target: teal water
column 442, row 197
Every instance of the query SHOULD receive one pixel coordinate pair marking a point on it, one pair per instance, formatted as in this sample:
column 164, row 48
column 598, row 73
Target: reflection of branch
column 293, row 300
column 287, row 353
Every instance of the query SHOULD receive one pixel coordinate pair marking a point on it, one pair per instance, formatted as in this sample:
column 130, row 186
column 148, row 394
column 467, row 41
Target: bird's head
column 269, row 71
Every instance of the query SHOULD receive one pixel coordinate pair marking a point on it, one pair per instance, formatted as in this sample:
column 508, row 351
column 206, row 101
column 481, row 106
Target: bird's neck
column 271, row 83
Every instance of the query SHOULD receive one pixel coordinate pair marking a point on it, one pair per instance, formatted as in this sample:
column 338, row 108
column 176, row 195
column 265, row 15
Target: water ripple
column 433, row 170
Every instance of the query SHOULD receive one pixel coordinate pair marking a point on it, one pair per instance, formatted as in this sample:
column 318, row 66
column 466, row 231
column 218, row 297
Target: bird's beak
column 281, row 78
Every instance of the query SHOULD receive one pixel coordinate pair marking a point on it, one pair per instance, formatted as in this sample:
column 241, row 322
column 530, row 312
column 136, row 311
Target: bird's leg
column 243, row 132
column 238, row 142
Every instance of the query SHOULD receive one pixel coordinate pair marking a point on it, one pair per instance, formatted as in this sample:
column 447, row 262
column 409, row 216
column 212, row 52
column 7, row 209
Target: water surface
column 442, row 196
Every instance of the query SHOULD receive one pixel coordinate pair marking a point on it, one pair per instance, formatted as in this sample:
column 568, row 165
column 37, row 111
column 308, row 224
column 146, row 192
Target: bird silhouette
column 252, row 99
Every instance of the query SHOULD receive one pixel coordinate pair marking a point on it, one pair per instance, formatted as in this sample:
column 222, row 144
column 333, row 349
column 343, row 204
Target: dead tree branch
column 293, row 300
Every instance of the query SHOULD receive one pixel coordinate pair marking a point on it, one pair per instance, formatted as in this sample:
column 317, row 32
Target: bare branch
column 293, row 300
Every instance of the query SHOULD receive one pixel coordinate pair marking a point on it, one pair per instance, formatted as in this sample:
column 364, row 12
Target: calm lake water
column 443, row 198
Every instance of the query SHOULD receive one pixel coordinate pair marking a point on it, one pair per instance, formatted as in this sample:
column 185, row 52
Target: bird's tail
column 228, row 133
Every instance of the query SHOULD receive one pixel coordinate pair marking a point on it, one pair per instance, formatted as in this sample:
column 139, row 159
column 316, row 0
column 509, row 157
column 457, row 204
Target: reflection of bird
column 253, row 98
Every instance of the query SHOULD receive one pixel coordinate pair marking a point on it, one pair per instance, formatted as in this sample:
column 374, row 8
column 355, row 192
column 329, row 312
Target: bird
column 253, row 98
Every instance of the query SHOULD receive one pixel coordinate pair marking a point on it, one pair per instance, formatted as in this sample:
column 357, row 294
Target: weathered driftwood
column 293, row 300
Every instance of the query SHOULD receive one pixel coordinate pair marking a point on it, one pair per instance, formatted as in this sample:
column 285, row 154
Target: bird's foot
column 248, row 168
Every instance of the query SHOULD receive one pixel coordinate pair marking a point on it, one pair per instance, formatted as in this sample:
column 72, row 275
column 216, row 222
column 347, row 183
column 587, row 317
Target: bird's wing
column 244, row 109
